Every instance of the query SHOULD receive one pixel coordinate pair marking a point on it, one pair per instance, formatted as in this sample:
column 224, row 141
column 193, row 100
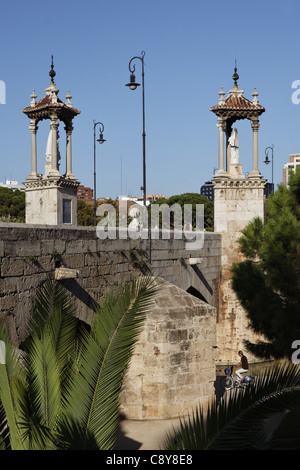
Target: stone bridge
column 30, row 254
column 177, row 350
column 185, row 335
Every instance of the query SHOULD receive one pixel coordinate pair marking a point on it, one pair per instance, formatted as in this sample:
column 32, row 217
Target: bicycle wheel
column 226, row 383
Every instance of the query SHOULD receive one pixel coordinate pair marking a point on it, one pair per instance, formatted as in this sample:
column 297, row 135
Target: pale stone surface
column 44, row 204
column 172, row 369
column 65, row 273
column 237, row 202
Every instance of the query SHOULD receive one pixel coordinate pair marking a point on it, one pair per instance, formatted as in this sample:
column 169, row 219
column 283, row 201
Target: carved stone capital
column 69, row 128
column 255, row 126
column 221, row 125
column 33, row 126
column 54, row 124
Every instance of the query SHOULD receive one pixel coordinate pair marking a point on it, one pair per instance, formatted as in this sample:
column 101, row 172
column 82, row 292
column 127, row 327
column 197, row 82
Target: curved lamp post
column 133, row 85
column 100, row 140
column 267, row 161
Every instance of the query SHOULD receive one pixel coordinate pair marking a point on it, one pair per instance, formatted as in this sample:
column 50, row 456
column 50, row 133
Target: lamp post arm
column 132, row 70
column 95, row 198
column 267, row 155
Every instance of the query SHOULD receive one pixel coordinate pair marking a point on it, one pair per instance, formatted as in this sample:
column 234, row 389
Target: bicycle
column 230, row 381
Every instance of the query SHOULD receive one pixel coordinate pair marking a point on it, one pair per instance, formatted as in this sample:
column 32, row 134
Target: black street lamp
column 133, row 85
column 267, row 161
column 100, row 140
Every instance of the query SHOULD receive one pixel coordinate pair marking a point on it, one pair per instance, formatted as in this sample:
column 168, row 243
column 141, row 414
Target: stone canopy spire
column 58, row 192
column 231, row 109
column 52, row 72
column 235, row 76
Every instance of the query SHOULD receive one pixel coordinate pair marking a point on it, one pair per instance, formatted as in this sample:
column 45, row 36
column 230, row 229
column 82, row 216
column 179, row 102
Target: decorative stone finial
column 235, row 76
column 68, row 96
column 222, row 94
column 255, row 95
column 33, row 96
column 52, row 71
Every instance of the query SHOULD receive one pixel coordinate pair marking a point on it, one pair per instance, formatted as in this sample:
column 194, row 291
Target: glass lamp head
column 132, row 84
column 101, row 139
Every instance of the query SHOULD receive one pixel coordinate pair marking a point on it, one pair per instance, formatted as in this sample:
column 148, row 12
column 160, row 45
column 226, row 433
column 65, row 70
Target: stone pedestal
column 236, row 203
column 51, row 202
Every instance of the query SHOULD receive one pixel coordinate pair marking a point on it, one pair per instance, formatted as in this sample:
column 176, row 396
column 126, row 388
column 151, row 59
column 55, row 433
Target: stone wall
column 237, row 202
column 29, row 254
column 173, row 366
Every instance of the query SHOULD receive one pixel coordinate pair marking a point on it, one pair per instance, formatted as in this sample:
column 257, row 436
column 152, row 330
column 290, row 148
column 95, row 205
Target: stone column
column 220, row 125
column 255, row 126
column 227, row 153
column 54, row 157
column 33, row 129
column 69, row 130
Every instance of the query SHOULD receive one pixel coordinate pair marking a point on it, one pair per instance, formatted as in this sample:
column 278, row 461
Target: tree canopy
column 85, row 213
column 12, row 205
column 193, row 199
column 267, row 282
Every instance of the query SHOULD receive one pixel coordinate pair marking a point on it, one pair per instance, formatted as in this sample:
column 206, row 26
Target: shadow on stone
column 123, row 442
column 80, row 293
column 203, row 279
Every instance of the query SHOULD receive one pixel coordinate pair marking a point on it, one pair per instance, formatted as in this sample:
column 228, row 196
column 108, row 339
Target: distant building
column 84, row 193
column 294, row 162
column 269, row 189
column 13, row 185
column 207, row 189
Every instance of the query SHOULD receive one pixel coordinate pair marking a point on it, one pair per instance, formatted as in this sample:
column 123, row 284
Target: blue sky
column 190, row 47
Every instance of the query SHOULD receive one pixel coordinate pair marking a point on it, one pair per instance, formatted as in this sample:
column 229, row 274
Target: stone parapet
column 29, row 254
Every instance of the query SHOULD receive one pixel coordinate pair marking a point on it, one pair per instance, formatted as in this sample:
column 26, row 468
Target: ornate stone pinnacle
column 255, row 95
column 52, row 71
column 235, row 76
column 68, row 96
column 221, row 93
column 33, row 96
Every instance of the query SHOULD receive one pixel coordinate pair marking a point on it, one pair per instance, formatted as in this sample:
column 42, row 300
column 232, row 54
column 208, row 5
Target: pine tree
column 267, row 282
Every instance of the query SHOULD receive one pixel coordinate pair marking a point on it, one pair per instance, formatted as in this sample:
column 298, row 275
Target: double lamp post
column 132, row 85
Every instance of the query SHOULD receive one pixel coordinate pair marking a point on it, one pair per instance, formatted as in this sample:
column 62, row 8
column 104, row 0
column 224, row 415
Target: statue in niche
column 234, row 147
column 49, row 153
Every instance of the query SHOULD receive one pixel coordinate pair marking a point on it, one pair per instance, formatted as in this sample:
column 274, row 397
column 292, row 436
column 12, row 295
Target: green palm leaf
column 50, row 350
column 239, row 422
column 12, row 384
column 94, row 396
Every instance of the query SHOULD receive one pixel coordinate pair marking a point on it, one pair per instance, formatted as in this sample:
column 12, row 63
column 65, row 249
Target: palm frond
column 34, row 433
column 12, row 382
column 239, row 422
column 4, row 430
column 44, row 386
column 96, row 389
column 72, row 436
column 50, row 349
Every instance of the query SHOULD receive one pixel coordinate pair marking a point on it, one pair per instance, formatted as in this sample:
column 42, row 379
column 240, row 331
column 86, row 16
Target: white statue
column 49, row 152
column 234, row 147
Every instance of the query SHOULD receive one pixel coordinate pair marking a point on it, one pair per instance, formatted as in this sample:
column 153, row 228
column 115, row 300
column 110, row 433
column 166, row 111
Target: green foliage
column 12, row 205
column 238, row 422
column 62, row 389
column 267, row 283
column 85, row 214
column 189, row 198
